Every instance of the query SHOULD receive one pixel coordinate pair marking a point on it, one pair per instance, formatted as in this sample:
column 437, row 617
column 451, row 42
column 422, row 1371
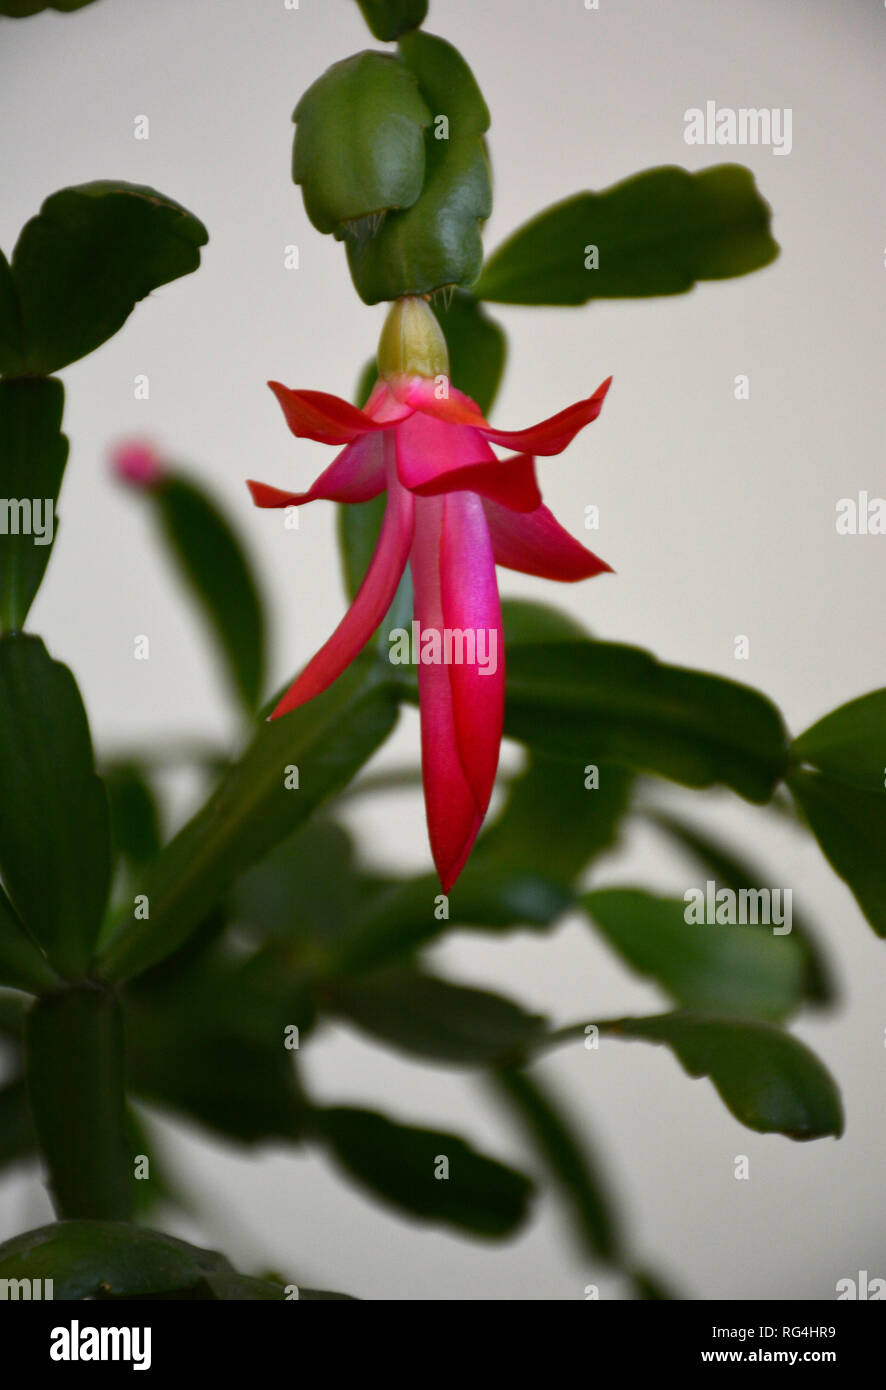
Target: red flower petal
column 453, row 407
column 370, row 605
column 536, row 543
column 453, row 815
column 471, row 607
column 317, row 415
column 512, row 482
column 357, row 474
column 552, row 436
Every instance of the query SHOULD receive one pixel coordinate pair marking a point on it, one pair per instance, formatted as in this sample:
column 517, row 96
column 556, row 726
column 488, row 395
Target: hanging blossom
column 454, row 511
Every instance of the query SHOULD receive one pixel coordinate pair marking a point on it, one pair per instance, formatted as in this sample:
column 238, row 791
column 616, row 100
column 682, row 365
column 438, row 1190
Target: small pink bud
column 135, row 461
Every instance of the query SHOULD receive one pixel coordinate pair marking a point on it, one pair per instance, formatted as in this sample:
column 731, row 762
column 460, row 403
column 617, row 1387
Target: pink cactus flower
column 454, row 511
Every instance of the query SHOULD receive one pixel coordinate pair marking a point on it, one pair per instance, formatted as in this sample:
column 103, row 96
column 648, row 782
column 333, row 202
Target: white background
column 717, row 515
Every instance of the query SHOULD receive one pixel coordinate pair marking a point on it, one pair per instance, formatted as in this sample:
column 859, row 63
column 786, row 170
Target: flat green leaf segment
column 110, row 1260
column 212, row 562
column 849, row 745
column 388, row 19
column 730, row 870
column 22, row 964
column 593, row 1222
column 359, row 144
column 428, row 1174
column 437, row 241
column 769, row 1080
column 33, row 453
column 293, row 764
column 83, row 263
column 654, row 234
column 850, row 826
column 477, row 349
column 54, row 825
column 598, row 701
column 436, row 1019
column 721, row 967
column 75, row 1078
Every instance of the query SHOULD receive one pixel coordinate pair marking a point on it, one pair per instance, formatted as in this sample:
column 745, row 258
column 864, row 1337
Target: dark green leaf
column 388, row 19
column 477, row 349
column 718, row 967
column 359, row 142
column 252, row 810
column 552, row 824
column 22, row 964
column 212, row 562
column 567, row 1159
column 598, row 701
column 850, row 743
column 83, row 263
column 135, row 819
column 209, row 1043
column 769, row 1080
column 33, row 453
column 112, row 1259
column 309, row 886
column 54, row 830
column 850, row 826
column 74, row 1047
column 728, row 871
column 408, row 914
column 399, row 1164
column 10, row 320
column 21, row 9
column 525, row 620
column 428, row 1017
column 649, row 1287
column 656, row 233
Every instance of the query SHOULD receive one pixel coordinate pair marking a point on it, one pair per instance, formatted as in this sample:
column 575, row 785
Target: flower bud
column 412, row 342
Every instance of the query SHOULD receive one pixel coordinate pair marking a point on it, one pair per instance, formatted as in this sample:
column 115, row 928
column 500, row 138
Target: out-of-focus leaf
column 730, row 872
column 769, row 1080
column 405, row 1168
column 649, row 1287
column 33, row 453
column 74, row 1048
column 656, row 233
column 477, row 349
column 388, row 19
column 850, row 826
column 10, row 319
column 428, row 1017
column 727, row 969
column 213, row 564
column 107, row 1260
column 209, row 1042
column 22, row 9
column 566, row 1157
column 292, row 766
column 54, row 831
column 408, row 914
column 849, row 745
column 525, row 620
column 135, row 818
column 598, row 701
column 553, row 824
column 83, row 263
column 309, row 886
column 22, row 964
